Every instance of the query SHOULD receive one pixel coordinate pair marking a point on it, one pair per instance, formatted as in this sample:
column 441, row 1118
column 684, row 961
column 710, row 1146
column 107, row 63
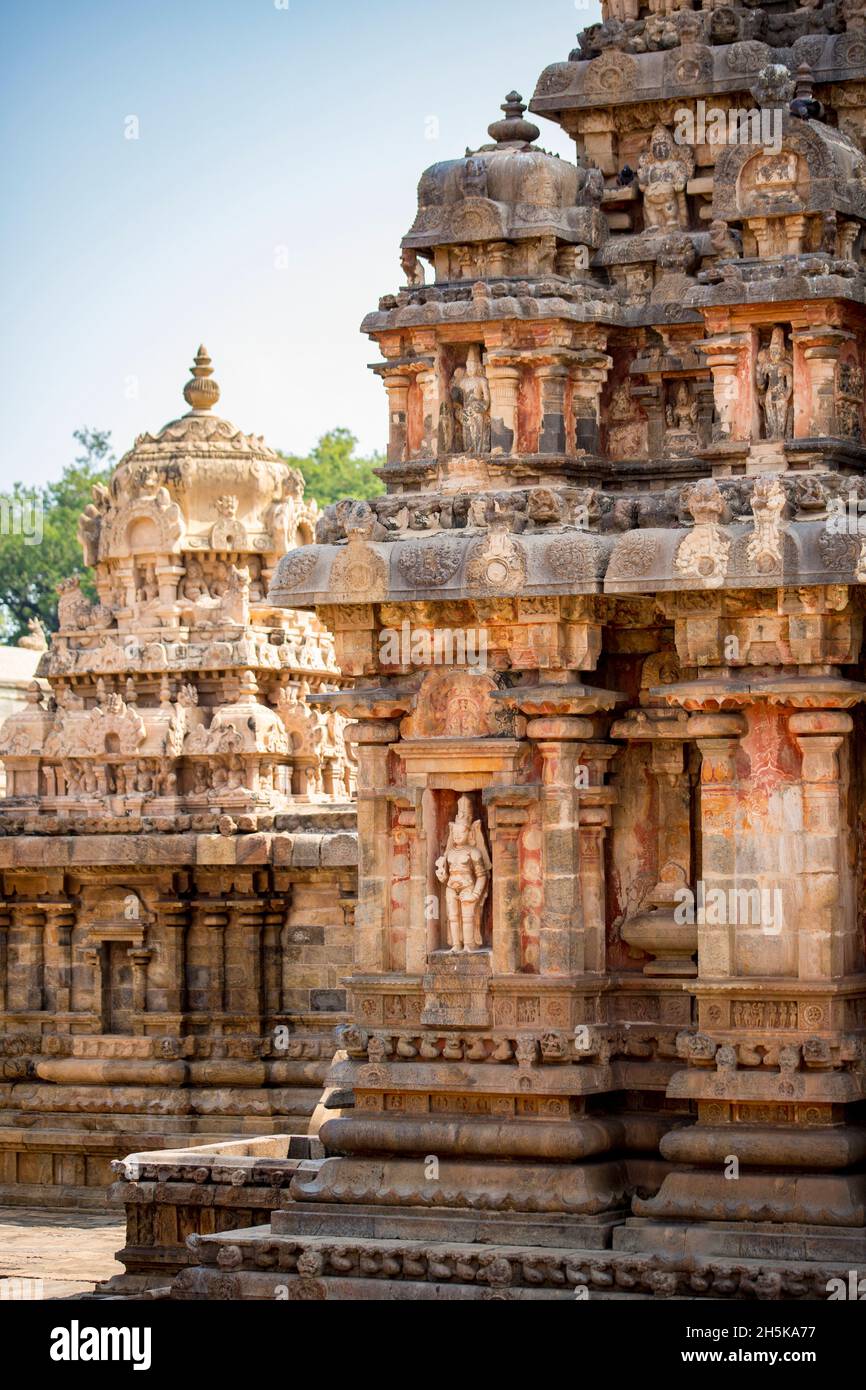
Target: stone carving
column 726, row 241
column 681, row 417
column 635, row 555
column 662, row 174
column 358, row 569
column 429, row 565
column 704, row 552
column 610, row 75
column 851, row 398
column 626, row 432
column 774, row 377
column 411, row 267
column 228, row 533
column 464, row 868
column 470, row 396
column 90, row 523
column 110, row 728
column 296, row 567
column 496, row 565
column 774, row 85
column 288, row 521
column 765, row 545
column 35, row 640
column 576, row 558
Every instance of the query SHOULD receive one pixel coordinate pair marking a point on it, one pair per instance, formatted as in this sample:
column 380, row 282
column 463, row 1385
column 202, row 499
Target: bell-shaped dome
column 506, row 190
column 199, row 483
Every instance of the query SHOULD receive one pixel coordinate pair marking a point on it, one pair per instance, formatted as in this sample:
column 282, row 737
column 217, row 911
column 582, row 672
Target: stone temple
column 177, row 851
column 602, row 644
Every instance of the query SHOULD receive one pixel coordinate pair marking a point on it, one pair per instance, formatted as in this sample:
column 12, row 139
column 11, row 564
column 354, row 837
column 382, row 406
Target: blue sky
column 260, row 208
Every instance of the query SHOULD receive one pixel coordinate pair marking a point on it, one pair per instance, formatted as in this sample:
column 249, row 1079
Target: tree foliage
column 31, row 567
column 33, row 564
column 332, row 470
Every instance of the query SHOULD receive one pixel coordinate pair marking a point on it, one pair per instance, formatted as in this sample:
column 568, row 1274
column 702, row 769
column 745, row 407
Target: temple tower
column 177, row 836
column 606, row 642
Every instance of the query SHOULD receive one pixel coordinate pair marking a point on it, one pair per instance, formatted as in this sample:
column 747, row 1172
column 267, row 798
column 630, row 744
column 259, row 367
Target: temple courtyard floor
column 68, row 1251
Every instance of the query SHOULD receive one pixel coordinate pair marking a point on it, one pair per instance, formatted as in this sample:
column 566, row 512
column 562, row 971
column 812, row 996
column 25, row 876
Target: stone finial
column 514, row 129
column 200, row 392
column 804, row 104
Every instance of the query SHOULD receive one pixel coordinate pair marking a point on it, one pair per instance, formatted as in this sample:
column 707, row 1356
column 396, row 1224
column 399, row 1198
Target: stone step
column 741, row 1240
column 541, row 1230
column 259, row 1263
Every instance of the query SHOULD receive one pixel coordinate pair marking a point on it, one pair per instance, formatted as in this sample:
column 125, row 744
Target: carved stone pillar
column 650, row 399
column 553, row 377
column 216, row 919
column 26, row 976
column 173, row 924
column 371, row 739
column 507, row 815
column 828, row 929
column 499, row 257
column 503, row 377
column 728, row 358
column 59, row 922
column 562, row 948
column 420, row 937
column 595, row 808
column 139, row 956
column 5, row 924
column 244, row 960
column 168, row 578
column 428, row 382
column 588, row 375
column 718, row 737
column 272, row 931
column 93, row 957
column 815, row 406
column 397, row 385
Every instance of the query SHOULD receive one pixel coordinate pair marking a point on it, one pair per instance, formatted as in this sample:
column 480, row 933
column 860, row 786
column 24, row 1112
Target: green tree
column 32, row 563
column 332, row 470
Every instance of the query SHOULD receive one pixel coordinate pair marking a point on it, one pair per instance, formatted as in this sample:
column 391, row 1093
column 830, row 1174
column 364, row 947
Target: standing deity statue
column 472, row 404
column 464, row 868
column 775, row 382
column 662, row 174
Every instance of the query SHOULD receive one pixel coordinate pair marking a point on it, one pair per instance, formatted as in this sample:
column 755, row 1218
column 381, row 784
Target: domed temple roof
column 509, row 189
column 203, row 484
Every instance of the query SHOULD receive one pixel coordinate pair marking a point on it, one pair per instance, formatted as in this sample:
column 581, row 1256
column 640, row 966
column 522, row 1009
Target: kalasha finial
column 804, row 104
column 201, row 393
column 514, row 129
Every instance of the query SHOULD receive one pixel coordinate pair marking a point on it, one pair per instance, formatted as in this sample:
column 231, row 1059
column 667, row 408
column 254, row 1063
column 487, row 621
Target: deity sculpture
column 193, row 586
column 682, row 412
column 775, row 382
column 626, row 431
column 662, row 175
column 470, row 394
column 282, row 515
column 148, row 589
column 681, row 418
column 464, row 868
